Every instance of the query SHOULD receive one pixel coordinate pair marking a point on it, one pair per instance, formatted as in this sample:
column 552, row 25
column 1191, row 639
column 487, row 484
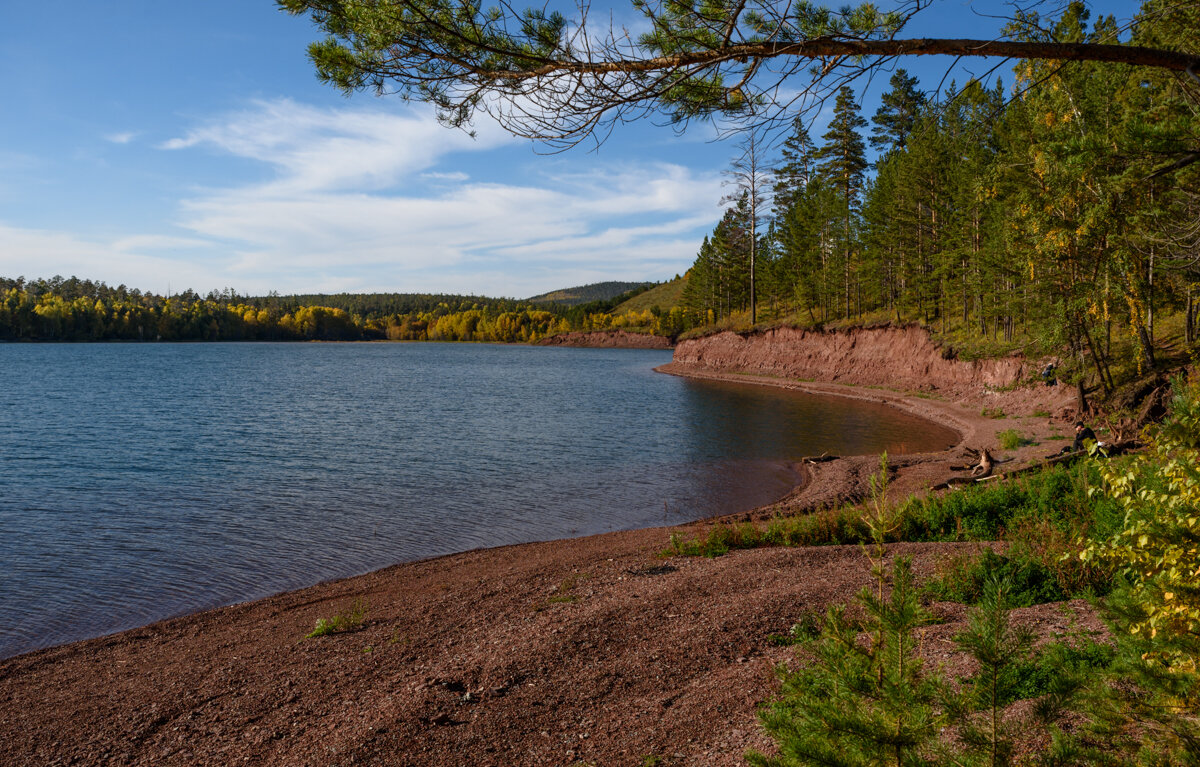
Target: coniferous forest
column 1058, row 207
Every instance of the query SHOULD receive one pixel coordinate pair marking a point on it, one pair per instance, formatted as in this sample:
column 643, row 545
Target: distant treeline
column 71, row 309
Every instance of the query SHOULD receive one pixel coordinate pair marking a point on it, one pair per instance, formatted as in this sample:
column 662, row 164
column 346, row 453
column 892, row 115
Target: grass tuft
column 350, row 620
column 806, row 629
column 562, row 594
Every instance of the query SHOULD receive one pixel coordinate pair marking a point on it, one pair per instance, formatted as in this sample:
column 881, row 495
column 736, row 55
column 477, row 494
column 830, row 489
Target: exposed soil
column 606, row 339
column 586, row 651
column 900, row 358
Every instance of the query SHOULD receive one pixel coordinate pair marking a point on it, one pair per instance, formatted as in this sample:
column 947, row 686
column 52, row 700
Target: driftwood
column 984, row 462
column 1123, row 429
column 1110, row 450
column 822, row 458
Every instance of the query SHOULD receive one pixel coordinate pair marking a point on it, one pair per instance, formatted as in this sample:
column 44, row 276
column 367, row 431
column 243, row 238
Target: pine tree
column 750, row 174
column 795, row 169
column 883, row 250
column 699, row 296
column 998, row 648
column 860, row 703
column 843, row 162
column 805, row 239
column 897, row 115
column 863, row 703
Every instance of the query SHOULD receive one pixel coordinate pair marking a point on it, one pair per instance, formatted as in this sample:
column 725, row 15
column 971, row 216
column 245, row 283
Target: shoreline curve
column 935, row 411
column 591, row 649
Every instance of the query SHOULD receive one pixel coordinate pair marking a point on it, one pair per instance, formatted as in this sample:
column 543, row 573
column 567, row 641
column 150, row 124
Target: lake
column 142, row 481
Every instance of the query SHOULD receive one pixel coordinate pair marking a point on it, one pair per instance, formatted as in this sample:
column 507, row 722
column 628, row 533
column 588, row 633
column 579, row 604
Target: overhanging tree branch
column 820, row 49
column 549, row 78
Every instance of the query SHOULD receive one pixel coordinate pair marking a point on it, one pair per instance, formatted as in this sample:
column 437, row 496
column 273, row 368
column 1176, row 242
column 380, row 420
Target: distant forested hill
column 599, row 291
column 662, row 297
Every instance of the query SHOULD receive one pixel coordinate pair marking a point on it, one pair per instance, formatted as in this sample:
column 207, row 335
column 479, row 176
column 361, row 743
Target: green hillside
column 664, row 296
column 583, row 294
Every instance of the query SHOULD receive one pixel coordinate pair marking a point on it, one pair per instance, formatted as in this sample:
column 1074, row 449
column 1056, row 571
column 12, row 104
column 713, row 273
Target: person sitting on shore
column 1083, row 435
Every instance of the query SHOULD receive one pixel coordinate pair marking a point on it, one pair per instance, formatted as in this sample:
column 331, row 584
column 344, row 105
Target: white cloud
column 321, row 149
column 121, row 138
column 375, row 199
column 471, row 227
column 344, row 206
column 624, row 244
column 456, row 176
column 40, row 253
column 158, row 242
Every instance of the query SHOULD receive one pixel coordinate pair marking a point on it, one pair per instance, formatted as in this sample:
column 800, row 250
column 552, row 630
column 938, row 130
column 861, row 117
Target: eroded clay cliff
column 895, row 357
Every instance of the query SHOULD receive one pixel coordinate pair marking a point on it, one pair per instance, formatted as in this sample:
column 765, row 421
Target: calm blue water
column 139, row 482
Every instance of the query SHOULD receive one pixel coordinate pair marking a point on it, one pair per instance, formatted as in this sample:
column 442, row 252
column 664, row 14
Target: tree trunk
column 1188, row 336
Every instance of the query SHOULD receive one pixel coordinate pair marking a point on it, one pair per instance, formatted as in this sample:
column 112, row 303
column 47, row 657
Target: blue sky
column 174, row 145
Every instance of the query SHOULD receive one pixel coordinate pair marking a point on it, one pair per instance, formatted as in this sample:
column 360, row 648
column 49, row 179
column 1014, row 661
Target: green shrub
column 1157, row 545
column 1046, row 513
column 1057, row 496
column 963, row 579
column 1038, row 676
column 1148, row 711
column 1011, row 439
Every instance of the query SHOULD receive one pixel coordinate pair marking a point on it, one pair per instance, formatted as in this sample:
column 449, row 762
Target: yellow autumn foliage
column 1158, row 546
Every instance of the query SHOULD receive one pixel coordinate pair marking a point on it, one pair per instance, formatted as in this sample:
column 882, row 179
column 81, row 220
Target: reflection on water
column 768, row 423
column 143, row 481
